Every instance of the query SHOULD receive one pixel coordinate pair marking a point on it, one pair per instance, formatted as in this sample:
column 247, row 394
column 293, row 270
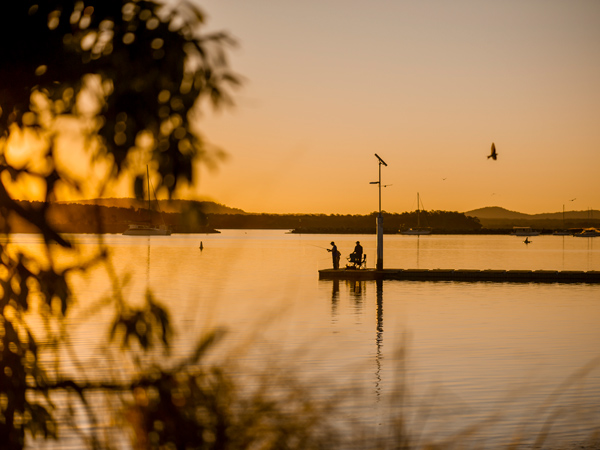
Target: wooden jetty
column 520, row 276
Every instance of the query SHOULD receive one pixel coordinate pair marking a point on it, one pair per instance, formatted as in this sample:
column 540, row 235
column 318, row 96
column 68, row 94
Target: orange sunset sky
column 427, row 85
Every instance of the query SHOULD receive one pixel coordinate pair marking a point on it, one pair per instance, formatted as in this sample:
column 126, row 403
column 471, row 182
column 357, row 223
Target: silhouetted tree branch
column 132, row 75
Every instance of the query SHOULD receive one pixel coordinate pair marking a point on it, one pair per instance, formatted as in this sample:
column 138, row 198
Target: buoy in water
column 201, row 246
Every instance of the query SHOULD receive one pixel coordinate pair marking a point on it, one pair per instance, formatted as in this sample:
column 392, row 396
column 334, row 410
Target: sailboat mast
column 418, row 212
column 148, row 180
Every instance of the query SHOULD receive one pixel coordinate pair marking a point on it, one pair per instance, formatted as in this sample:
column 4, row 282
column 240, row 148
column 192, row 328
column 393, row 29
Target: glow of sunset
column 427, row 85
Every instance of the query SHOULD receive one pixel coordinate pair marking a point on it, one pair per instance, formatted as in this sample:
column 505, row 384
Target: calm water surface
column 474, row 350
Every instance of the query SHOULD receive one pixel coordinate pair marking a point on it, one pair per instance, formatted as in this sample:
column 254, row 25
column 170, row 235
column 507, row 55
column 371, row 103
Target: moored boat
column 418, row 230
column 148, row 228
column 138, row 229
column 563, row 231
column 524, row 231
column 588, row 232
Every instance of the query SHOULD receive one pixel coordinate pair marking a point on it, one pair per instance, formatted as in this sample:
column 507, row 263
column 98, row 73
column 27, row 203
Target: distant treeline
column 87, row 218
column 193, row 218
column 439, row 221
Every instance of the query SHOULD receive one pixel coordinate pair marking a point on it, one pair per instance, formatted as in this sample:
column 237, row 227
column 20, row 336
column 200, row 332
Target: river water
column 501, row 356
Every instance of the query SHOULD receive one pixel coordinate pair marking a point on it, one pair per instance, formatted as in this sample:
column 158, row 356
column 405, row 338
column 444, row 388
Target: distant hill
column 168, row 206
column 497, row 217
column 498, row 213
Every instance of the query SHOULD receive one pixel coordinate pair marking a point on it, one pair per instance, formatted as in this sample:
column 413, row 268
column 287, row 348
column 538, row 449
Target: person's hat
column 357, row 242
column 332, row 243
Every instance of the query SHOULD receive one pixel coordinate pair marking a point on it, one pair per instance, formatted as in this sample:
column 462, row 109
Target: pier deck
column 521, row 276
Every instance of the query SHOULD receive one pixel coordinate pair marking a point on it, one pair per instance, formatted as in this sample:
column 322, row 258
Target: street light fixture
column 379, row 265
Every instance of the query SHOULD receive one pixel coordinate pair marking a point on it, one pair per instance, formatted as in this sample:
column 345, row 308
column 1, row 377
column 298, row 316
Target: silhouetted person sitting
column 356, row 257
column 358, row 253
column 335, row 255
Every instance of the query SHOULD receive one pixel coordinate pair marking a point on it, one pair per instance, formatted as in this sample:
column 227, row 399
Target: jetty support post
column 379, row 264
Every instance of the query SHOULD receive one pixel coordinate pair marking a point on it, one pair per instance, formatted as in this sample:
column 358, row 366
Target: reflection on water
column 335, row 297
column 357, row 291
column 379, row 337
column 492, row 252
column 148, row 262
column 474, row 348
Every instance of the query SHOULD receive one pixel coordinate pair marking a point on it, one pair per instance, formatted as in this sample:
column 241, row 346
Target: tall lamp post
column 379, row 265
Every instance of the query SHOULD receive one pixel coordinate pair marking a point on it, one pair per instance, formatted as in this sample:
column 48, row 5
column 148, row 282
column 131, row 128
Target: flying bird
column 493, row 155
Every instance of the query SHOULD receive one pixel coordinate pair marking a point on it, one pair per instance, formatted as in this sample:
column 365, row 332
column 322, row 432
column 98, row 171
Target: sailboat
column 563, row 232
column 418, row 230
column 148, row 228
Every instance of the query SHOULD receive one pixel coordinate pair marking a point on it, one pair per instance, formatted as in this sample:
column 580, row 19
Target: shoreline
column 323, row 231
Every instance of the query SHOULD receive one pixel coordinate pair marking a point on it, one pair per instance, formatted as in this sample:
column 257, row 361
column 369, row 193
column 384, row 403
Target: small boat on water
column 588, row 232
column 524, row 231
column 144, row 229
column 418, row 230
column 148, row 228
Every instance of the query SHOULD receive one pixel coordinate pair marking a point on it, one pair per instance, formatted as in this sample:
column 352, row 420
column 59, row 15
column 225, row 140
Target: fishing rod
column 319, row 247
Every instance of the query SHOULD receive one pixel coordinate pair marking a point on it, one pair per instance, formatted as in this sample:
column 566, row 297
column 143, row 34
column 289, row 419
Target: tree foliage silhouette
column 123, row 71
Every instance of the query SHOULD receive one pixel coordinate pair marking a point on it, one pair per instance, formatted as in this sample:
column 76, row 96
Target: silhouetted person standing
column 335, row 255
column 358, row 253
